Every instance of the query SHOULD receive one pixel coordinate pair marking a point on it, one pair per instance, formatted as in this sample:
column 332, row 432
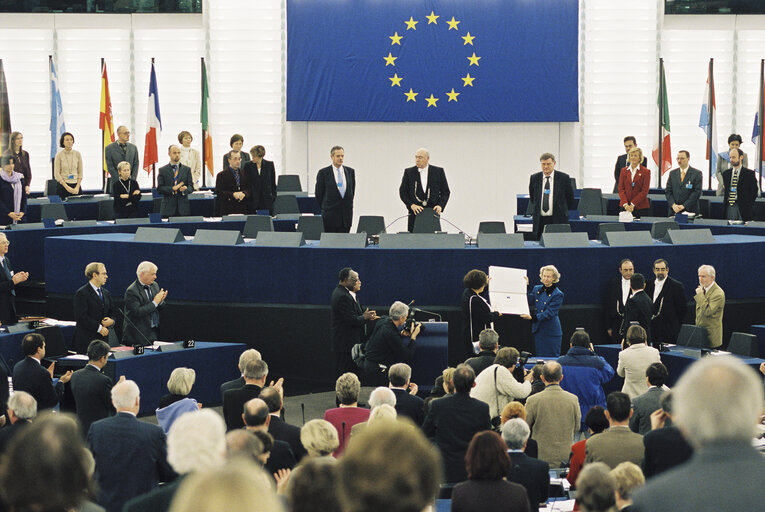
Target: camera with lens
column 410, row 323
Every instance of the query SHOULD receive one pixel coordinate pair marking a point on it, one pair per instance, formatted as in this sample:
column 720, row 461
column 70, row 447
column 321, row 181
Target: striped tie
column 733, row 189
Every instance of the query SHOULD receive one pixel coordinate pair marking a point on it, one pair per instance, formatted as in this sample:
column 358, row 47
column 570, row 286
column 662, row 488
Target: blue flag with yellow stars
column 432, row 61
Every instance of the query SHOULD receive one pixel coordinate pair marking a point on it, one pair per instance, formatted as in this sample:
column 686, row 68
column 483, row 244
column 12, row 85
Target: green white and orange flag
column 204, row 117
column 5, row 113
column 105, row 120
column 663, row 136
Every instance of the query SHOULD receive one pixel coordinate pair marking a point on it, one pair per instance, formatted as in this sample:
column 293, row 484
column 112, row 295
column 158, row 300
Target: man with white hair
column 407, row 402
column 130, row 455
column 377, row 398
column 531, row 473
column 196, row 442
column 143, row 300
column 387, row 346
column 22, row 408
column 245, row 357
column 710, row 303
column 9, row 280
column 423, row 186
column 717, row 404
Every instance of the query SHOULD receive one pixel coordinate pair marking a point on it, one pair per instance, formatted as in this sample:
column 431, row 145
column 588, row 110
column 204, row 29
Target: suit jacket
column 92, row 395
column 482, row 495
column 532, row 474
column 746, row 191
column 8, row 432
column 642, row 408
column 281, row 458
column 562, row 200
column 131, row 458
column 233, row 404
column 245, row 158
column 683, row 192
column 290, row 434
column 613, row 446
column 6, row 201
column 709, row 313
column 89, row 310
column 263, row 185
column 174, row 202
column 410, row 406
column 476, row 316
column 669, row 309
column 30, row 376
column 139, row 310
column 346, row 320
column 232, row 384
column 665, row 448
column 156, row 500
column 336, row 211
column 554, row 418
column 480, row 362
column 7, row 296
column 722, row 476
column 635, row 193
column 633, row 362
column 125, row 208
column 114, row 155
column 225, row 186
column 437, row 193
column 451, row 422
column 615, row 307
column 639, row 308
column 621, row 163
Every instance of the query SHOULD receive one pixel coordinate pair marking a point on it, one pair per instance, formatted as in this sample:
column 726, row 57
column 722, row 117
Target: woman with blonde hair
column 548, row 299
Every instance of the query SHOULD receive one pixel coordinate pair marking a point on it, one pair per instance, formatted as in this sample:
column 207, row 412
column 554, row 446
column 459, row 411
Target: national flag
column 5, row 113
column 57, row 125
column 708, row 118
column 153, row 125
column 105, row 120
column 663, row 137
column 204, row 118
column 757, row 130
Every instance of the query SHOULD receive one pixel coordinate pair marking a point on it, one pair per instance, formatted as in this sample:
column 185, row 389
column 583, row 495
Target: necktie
column 340, row 182
column 100, row 294
column 682, row 175
column 733, row 196
column 175, row 174
column 236, row 177
column 546, row 195
column 154, row 314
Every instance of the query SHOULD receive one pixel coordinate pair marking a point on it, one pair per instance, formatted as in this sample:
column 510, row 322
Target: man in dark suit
column 245, row 357
column 408, row 404
column 630, row 143
column 175, row 184
column 453, row 420
column 683, row 187
column 143, row 300
column 277, row 427
column 335, row 189
column 740, row 189
column 669, row 304
column 531, row 473
column 130, row 455
column 256, row 418
column 617, row 293
column 550, row 195
column 8, row 282
column 347, row 320
column 30, row 376
column 665, row 446
column 232, row 186
column 639, row 307
column 93, row 309
column 118, row 151
column 643, row 406
column 91, row 388
column 255, row 373
column 423, row 186
column 22, row 408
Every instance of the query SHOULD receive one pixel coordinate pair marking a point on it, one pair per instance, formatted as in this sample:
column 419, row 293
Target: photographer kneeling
column 388, row 344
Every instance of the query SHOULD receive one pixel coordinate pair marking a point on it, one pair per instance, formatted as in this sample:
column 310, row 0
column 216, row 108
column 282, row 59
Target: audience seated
column 277, row 427
column 344, row 417
column 644, row 405
column 378, row 397
column 554, row 416
column 453, row 420
column 665, row 446
column 596, row 422
column 628, row 479
column 22, row 409
column 256, row 419
column 320, row 439
column 596, row 489
column 532, row 474
column 517, row 410
column 497, row 386
column 488, row 343
column 635, row 360
column 311, row 487
column 407, row 404
column 245, row 357
column 618, row 443
column 255, row 374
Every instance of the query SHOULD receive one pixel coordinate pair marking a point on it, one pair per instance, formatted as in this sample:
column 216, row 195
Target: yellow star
column 473, row 59
column 411, row 95
column 395, row 39
column 411, row 24
column 468, row 39
column 431, row 101
column 453, row 95
column 468, row 80
column 432, row 18
column 453, row 24
column 396, row 80
column 390, row 59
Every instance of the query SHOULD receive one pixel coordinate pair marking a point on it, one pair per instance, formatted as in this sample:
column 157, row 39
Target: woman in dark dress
column 126, row 193
column 477, row 314
column 262, row 180
column 13, row 196
column 21, row 160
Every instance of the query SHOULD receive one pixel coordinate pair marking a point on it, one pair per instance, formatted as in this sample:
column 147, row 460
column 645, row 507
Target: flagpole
column 202, row 91
column 710, row 108
column 154, row 165
column 52, row 160
column 761, row 112
column 103, row 135
column 661, row 117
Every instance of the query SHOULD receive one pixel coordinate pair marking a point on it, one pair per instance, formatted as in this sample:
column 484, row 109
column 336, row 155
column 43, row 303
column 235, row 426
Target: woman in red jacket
column 634, row 182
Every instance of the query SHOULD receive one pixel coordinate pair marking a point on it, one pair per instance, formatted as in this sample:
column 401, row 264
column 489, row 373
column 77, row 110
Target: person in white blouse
column 190, row 157
column 636, row 357
column 497, row 386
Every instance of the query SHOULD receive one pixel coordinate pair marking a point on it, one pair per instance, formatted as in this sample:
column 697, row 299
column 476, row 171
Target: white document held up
column 507, row 290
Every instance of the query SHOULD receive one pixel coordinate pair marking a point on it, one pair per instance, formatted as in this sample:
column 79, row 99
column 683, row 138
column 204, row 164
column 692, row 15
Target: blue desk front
column 431, row 355
column 10, row 344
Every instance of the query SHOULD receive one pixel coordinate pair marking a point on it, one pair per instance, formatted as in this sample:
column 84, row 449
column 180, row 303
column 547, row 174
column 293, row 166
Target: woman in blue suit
column 546, row 326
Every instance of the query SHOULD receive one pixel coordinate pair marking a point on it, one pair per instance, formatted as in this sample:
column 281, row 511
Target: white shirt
column 625, row 290
column 334, row 170
column 658, row 285
column 549, row 212
column 95, row 289
column 424, row 178
column 706, row 288
column 353, row 294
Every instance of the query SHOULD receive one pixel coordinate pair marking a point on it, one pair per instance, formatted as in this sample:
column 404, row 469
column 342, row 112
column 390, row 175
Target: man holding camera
column 388, row 345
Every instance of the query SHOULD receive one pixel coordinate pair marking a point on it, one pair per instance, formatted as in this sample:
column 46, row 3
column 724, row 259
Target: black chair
column 573, row 183
column 427, row 221
column 53, row 211
column 312, row 226
column 257, row 223
column 659, row 228
column 704, row 208
column 693, row 336
column 491, row 226
column 156, row 205
column 106, row 210
column 591, row 202
column 607, row 227
column 743, row 344
column 51, row 188
column 557, row 228
column 372, row 225
column 288, row 183
column 286, row 205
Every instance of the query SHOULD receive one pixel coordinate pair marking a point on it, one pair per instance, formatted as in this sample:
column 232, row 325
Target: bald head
column 552, row 372
column 255, row 413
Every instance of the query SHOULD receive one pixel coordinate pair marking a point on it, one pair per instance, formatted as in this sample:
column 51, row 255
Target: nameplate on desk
column 170, row 347
column 421, row 241
column 189, row 344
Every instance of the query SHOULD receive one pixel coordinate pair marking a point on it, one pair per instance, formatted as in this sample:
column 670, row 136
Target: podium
column 431, row 355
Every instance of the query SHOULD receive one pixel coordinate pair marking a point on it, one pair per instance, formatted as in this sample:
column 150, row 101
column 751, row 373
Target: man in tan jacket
column 710, row 303
column 617, row 444
column 553, row 416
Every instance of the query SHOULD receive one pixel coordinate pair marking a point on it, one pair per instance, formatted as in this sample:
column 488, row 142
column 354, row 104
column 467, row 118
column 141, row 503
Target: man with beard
column 669, row 304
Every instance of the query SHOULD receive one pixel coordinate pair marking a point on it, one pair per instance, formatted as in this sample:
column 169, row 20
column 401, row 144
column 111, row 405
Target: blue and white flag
column 57, row 125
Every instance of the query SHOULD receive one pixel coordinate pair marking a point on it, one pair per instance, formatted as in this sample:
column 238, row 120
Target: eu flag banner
column 435, row 60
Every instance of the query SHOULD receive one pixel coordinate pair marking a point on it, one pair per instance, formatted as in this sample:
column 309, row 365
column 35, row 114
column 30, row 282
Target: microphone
column 428, row 312
column 302, row 407
column 461, row 231
column 127, row 318
column 342, row 441
column 395, row 220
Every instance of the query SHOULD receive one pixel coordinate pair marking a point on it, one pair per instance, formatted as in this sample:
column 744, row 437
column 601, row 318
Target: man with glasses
column 669, row 304
column 8, row 282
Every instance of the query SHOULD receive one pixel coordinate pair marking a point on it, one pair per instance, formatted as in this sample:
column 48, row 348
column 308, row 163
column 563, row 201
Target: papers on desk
column 507, row 292
column 158, row 344
column 61, row 323
column 559, row 506
column 76, row 357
